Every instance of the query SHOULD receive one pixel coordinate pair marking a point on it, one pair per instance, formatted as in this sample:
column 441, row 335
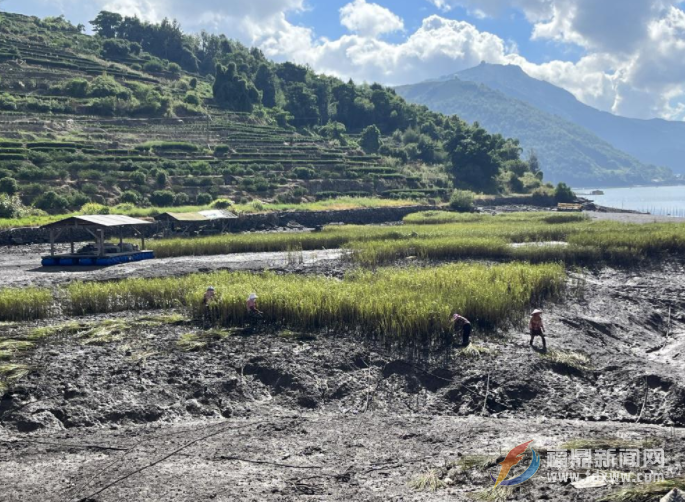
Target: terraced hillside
column 157, row 119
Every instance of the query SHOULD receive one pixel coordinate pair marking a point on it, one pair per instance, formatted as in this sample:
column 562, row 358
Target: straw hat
column 253, row 296
column 536, row 311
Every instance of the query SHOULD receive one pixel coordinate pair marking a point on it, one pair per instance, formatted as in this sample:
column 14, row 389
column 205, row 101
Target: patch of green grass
column 12, row 372
column 474, row 351
column 191, row 342
column 575, row 360
column 427, row 481
column 647, row 492
column 48, row 331
column 9, row 348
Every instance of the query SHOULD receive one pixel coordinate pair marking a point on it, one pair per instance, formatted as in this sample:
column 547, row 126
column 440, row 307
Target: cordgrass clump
column 427, row 481
column 608, row 444
column 25, row 304
column 569, row 359
column 647, row 492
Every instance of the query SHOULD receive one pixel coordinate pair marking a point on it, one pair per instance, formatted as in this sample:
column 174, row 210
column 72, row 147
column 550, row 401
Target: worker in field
column 252, row 309
column 464, row 325
column 537, row 328
column 207, row 300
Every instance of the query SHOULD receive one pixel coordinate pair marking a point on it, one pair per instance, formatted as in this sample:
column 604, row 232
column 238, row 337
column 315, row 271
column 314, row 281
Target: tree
column 115, row 49
column 371, row 139
column 233, row 91
column 302, row 105
column 9, row 186
column 473, row 164
column 106, row 24
column 51, row 202
column 533, row 162
column 563, row 193
column 265, row 81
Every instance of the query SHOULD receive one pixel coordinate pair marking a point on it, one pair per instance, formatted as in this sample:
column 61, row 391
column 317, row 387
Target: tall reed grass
column 23, row 304
column 400, row 304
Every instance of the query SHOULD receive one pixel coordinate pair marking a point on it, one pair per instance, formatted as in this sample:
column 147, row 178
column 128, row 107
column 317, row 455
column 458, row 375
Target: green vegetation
column 573, row 360
column 201, row 117
column 25, row 303
column 539, row 237
column 404, row 306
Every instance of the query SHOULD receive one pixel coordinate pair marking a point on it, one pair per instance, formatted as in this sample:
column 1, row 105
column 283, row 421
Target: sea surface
column 662, row 201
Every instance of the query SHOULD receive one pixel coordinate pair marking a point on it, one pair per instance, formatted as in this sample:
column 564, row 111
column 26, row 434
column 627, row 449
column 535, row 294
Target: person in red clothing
column 537, row 327
column 464, row 325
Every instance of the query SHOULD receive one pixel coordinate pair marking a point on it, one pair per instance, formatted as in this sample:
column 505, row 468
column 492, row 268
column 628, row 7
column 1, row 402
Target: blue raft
column 74, row 260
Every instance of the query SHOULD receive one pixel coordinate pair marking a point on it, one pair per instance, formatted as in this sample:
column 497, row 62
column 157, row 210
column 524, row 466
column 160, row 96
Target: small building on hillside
column 101, row 253
column 206, row 222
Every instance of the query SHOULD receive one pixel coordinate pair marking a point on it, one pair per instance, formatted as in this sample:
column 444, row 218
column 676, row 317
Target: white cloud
column 632, row 65
column 369, row 19
column 439, row 47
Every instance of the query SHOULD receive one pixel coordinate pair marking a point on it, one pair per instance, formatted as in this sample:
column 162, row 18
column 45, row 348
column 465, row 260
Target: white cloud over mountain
column 633, row 48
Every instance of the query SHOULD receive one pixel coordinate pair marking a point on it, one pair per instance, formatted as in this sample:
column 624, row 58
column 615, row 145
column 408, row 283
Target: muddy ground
column 264, row 413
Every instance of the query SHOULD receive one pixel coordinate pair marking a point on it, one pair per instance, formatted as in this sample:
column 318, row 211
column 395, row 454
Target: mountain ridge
column 652, row 141
column 567, row 151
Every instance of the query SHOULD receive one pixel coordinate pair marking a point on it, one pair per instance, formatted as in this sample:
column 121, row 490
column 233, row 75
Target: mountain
column 567, row 152
column 659, row 142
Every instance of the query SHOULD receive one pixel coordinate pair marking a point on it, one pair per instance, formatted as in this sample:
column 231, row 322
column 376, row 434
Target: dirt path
column 21, row 266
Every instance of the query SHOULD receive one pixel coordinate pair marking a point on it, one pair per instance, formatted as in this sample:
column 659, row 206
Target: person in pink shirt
column 252, row 309
column 537, row 328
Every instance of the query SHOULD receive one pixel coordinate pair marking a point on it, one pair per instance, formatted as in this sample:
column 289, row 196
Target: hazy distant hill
column 657, row 141
column 567, row 152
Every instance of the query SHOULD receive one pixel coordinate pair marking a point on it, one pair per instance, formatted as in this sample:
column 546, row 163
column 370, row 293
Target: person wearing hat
column 209, row 296
column 252, row 309
column 537, row 327
column 463, row 324
column 207, row 299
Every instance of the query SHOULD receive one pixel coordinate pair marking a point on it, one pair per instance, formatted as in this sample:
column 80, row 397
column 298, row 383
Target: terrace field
column 115, row 372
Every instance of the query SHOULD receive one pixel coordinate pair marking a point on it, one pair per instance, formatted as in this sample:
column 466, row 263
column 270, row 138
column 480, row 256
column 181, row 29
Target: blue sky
column 622, row 56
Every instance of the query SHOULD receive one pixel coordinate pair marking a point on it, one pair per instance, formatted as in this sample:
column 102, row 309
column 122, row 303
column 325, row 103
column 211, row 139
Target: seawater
column 661, row 201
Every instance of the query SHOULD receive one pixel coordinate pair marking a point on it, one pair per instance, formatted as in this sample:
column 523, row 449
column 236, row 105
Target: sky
column 626, row 57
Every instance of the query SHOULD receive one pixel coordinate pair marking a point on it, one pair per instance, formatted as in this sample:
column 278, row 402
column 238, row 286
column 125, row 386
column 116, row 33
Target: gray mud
column 269, row 414
column 20, row 266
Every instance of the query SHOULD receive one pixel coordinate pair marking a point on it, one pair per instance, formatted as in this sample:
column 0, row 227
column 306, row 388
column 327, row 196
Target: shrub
column 174, row 69
column 139, row 178
column 93, row 208
column 9, row 186
column 10, row 206
column 129, row 197
column 222, row 204
column 462, row 200
column 162, row 198
column 203, row 199
column 77, row 88
column 78, row 199
column 162, row 178
column 192, row 99
column 154, row 66
column 181, row 199
column 304, row 173
column 51, row 202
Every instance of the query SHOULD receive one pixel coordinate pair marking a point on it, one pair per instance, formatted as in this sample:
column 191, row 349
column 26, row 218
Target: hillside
column 143, row 114
column 566, row 151
column 658, row 142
